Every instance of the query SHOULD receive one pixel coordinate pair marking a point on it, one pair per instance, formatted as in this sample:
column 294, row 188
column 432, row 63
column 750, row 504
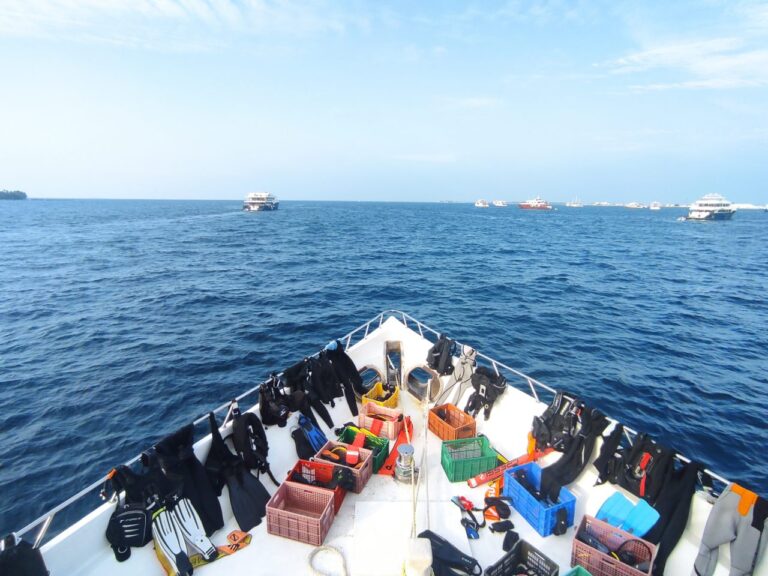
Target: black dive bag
column 130, row 526
column 440, row 356
column 644, row 468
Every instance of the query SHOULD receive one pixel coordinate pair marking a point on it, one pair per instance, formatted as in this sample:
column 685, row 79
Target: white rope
column 319, row 549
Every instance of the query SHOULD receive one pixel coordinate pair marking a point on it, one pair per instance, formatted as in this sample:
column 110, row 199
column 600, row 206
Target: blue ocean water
column 120, row 320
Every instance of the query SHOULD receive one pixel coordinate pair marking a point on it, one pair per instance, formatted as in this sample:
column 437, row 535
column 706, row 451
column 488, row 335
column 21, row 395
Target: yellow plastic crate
column 377, row 392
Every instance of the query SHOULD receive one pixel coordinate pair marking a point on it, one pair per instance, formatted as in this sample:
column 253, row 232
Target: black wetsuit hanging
column 299, row 378
column 177, row 458
column 347, row 374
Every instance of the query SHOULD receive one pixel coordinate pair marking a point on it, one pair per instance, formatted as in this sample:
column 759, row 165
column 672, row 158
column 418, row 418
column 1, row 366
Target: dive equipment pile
column 173, row 500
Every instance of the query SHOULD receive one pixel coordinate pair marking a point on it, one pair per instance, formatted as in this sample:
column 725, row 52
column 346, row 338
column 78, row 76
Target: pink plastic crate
column 299, row 512
column 362, row 473
column 600, row 564
column 384, row 428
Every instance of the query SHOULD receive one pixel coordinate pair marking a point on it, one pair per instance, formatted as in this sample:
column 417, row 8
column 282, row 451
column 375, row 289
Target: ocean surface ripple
column 122, row 320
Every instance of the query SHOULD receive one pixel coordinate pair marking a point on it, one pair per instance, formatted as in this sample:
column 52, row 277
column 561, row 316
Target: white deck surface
column 372, row 527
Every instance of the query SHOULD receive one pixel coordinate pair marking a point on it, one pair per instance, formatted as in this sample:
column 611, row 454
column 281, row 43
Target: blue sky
column 608, row 100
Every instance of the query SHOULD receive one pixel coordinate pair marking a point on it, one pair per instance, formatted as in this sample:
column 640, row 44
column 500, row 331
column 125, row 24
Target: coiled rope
column 331, row 549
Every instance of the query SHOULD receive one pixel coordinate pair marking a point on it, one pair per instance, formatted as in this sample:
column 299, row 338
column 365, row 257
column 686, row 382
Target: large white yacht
column 371, row 531
column 481, row 203
column 500, row 203
column 260, row 201
column 711, row 207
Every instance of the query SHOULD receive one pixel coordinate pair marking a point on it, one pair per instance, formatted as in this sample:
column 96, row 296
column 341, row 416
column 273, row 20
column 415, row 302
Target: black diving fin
column 447, row 560
column 247, row 494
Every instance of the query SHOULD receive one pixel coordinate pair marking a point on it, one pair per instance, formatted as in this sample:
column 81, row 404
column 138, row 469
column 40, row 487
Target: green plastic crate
column 579, row 571
column 379, row 446
column 462, row 459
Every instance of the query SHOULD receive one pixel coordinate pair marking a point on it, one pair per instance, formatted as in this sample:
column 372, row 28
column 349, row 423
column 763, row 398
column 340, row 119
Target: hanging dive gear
column 440, row 356
column 250, row 441
column 488, row 386
column 556, row 427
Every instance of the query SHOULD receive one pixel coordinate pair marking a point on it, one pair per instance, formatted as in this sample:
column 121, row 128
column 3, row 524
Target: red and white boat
column 535, row 204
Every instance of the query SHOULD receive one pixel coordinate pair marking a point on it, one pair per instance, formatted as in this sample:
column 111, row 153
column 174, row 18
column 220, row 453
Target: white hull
column 372, row 528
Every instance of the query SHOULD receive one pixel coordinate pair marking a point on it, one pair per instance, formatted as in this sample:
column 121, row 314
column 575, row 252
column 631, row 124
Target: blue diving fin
column 313, row 434
column 641, row 519
column 615, row 509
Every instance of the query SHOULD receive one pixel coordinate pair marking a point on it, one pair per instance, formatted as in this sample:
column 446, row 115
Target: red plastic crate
column 320, row 472
column 600, row 564
column 362, row 473
column 450, row 423
column 388, row 428
column 299, row 512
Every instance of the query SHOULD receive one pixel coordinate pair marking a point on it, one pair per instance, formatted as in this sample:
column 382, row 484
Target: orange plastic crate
column 299, row 512
column 450, row 423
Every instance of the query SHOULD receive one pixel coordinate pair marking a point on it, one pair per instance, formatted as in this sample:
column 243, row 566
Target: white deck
column 371, row 528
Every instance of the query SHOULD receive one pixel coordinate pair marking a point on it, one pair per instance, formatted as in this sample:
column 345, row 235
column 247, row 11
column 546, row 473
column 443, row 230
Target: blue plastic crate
column 541, row 517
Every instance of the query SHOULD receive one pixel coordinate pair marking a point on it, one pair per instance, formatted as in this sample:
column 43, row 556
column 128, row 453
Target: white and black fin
column 170, row 541
column 192, row 530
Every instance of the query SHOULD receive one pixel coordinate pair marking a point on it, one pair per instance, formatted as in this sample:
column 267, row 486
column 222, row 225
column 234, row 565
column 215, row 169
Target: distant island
column 12, row 195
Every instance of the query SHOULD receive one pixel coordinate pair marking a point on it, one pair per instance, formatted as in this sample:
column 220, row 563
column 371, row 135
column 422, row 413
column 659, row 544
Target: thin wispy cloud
column 472, row 103
column 173, row 24
column 717, row 63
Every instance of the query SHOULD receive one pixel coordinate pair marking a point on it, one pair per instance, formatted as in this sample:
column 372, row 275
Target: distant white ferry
column 711, row 207
column 481, row 204
column 500, row 203
column 634, row 205
column 655, row 206
column 260, row 201
column 576, row 203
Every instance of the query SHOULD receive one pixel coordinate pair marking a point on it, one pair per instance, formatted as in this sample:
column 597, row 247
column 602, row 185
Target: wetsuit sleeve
column 349, row 393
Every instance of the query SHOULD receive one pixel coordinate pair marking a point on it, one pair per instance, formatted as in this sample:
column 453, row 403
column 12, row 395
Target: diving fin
column 248, row 498
column 169, row 544
column 192, row 530
column 304, row 449
column 641, row 519
column 615, row 509
column 313, row 434
column 447, row 559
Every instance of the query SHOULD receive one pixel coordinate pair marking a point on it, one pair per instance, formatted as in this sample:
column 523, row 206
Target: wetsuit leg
column 721, row 528
column 679, row 492
column 321, row 410
column 750, row 540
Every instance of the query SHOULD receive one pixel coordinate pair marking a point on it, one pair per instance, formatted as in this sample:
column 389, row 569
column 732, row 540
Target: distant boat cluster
column 709, row 207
